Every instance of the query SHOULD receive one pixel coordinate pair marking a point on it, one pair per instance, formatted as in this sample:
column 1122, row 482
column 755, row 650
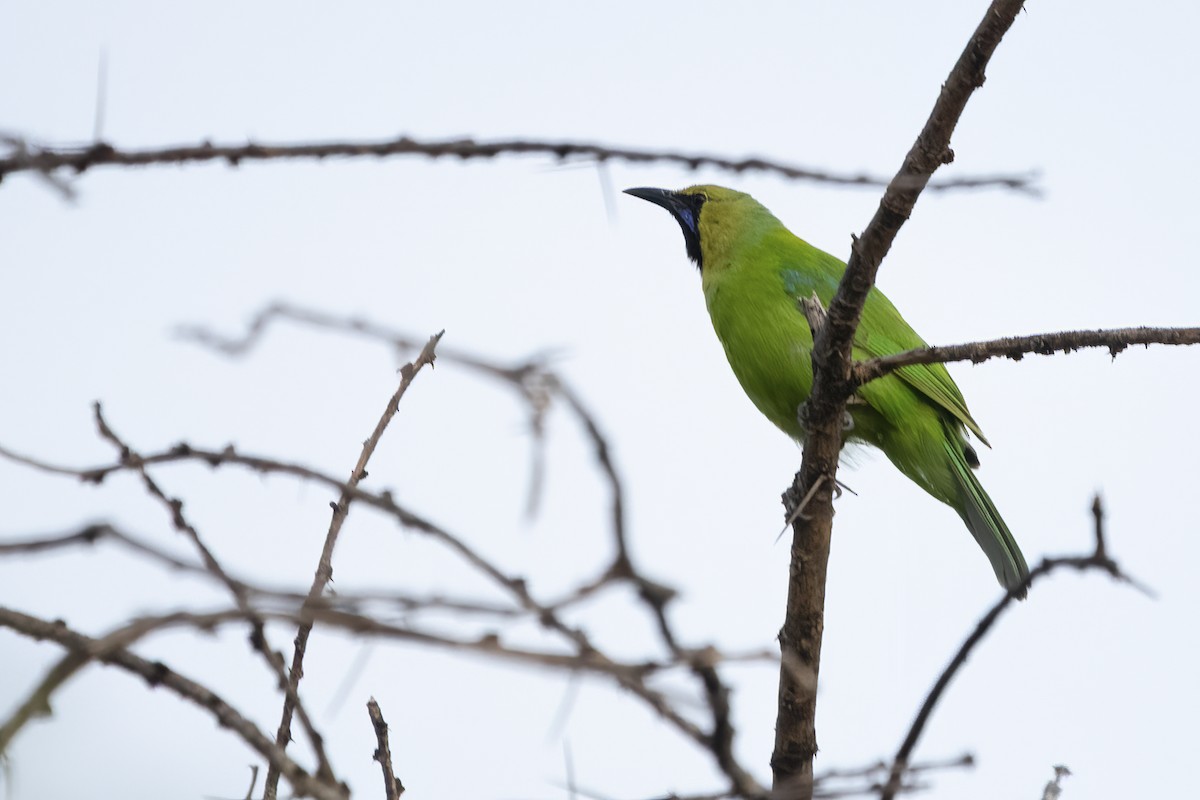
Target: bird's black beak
column 660, row 197
column 685, row 208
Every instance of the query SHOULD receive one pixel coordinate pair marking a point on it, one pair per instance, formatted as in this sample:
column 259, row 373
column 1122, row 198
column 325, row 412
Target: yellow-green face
column 731, row 226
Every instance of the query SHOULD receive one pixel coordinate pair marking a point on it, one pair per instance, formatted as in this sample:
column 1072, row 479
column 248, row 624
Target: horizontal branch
column 353, row 602
column 47, row 159
column 592, row 661
column 1017, row 347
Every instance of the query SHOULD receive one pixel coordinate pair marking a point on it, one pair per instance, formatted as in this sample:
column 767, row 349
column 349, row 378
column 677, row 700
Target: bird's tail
column 984, row 521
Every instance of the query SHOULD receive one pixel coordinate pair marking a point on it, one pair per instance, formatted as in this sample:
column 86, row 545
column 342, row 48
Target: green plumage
column 753, row 271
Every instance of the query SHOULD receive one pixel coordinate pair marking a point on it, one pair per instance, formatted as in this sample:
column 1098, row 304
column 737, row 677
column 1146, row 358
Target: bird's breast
column 767, row 342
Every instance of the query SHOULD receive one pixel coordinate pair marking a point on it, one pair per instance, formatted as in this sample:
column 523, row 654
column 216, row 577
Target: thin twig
column 93, row 534
column 656, row 597
column 538, row 386
column 1053, row 788
column 253, row 781
column 629, row 674
column 324, row 572
column 392, row 787
column 46, row 159
column 1098, row 559
column 383, row 501
column 258, row 634
column 156, row 673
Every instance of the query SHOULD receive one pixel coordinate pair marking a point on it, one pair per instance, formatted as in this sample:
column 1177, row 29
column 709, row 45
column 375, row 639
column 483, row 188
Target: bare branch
column 800, row 636
column 93, row 534
column 592, row 662
column 22, row 157
column 1097, row 560
column 838, row 783
column 868, row 780
column 1017, row 347
column 383, row 501
column 1053, row 789
column 258, row 634
column 47, row 159
column 253, row 781
column 158, row 674
column 392, row 787
column 324, row 571
column 538, row 385
column 533, row 380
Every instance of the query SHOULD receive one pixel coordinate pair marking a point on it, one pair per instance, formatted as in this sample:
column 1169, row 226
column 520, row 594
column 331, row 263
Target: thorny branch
column 349, row 601
column 1115, row 340
column 837, row 376
column 800, row 637
column 392, row 787
column 1097, row 560
column 156, row 673
column 539, row 386
column 48, row 160
column 489, row 644
column 258, row 637
column 703, row 662
column 346, row 610
column 324, row 572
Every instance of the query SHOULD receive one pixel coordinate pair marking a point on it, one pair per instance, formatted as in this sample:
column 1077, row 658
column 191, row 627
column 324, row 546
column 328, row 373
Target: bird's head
column 711, row 217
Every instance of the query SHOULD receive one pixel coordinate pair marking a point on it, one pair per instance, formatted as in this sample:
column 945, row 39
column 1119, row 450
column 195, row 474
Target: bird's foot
column 802, row 418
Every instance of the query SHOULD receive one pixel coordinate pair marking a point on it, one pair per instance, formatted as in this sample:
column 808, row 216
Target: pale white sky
column 519, row 255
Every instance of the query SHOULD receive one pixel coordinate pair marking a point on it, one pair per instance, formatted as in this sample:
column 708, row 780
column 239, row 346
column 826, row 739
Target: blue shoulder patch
column 799, row 284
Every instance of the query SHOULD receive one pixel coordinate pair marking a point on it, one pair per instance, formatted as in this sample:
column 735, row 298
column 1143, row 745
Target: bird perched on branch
column 754, row 272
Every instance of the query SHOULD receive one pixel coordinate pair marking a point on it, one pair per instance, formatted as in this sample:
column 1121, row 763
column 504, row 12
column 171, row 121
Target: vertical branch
column 392, row 787
column 324, row 571
column 800, row 637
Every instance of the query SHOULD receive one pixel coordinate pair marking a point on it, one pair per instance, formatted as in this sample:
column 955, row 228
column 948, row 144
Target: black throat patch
column 686, row 211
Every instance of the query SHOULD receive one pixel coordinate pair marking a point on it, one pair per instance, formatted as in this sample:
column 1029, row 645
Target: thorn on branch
column 1053, row 790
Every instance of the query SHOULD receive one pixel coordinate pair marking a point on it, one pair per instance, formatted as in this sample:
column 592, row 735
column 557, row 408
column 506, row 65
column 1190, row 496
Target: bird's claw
column 802, row 415
column 802, row 418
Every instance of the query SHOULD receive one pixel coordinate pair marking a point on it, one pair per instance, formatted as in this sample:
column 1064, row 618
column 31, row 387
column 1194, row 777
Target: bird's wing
column 883, row 332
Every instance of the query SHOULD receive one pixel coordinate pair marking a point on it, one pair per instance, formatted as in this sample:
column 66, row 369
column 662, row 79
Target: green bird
column 754, row 271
